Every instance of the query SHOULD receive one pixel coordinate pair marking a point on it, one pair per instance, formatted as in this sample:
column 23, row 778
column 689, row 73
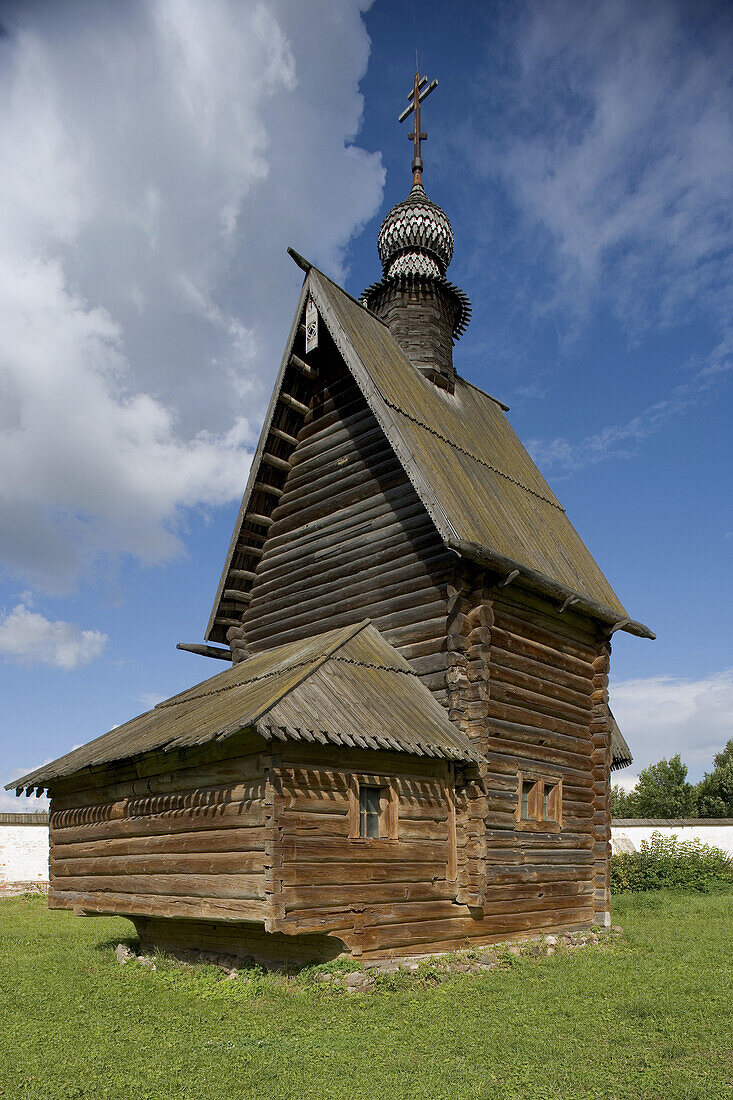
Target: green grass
column 650, row 1018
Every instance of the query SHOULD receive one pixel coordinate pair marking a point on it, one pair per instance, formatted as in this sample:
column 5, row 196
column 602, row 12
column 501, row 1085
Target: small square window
column 373, row 812
column 540, row 800
column 369, row 811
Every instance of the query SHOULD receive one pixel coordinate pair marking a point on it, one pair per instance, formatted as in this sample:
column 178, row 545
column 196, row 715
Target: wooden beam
column 242, row 574
column 248, row 533
column 304, row 368
column 547, row 586
column 286, row 438
column 222, row 621
column 303, row 264
column 509, row 578
column 206, row 650
column 293, row 403
column 277, row 463
column 263, row 487
column 237, row 595
column 256, row 517
column 246, row 548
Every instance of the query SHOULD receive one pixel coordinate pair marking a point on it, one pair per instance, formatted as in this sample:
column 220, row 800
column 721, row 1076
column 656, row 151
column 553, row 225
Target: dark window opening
column 369, row 811
column 527, row 788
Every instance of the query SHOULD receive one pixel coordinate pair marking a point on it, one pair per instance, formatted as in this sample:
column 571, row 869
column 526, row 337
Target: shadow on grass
column 109, row 945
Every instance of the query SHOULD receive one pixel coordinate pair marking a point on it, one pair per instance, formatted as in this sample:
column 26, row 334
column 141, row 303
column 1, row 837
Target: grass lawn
column 649, row 1017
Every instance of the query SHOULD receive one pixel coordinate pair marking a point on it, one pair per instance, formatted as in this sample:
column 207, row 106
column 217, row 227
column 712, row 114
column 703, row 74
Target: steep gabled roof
column 484, row 493
column 347, row 687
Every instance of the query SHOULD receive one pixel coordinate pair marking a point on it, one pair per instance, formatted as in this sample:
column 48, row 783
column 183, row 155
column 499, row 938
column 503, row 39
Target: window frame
column 388, row 808
column 367, row 814
column 542, row 787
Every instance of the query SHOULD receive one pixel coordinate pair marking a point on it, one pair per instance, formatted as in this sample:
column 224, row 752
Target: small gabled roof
column 347, row 687
column 486, row 497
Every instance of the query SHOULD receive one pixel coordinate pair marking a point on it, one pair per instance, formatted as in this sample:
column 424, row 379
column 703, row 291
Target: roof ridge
column 345, row 635
column 485, row 393
column 186, row 696
column 469, row 454
column 316, row 660
column 351, row 297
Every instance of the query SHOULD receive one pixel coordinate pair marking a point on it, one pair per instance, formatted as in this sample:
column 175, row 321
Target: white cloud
column 12, row 804
column 158, row 158
column 626, row 780
column 564, row 456
column 627, row 161
column 618, row 152
column 663, row 715
column 150, row 699
column 29, row 637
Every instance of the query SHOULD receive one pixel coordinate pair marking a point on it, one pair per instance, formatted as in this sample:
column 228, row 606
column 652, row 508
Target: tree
column 715, row 790
column 663, row 791
column 622, row 802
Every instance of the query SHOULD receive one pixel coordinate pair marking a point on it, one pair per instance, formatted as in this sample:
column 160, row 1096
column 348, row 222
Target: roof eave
column 256, row 461
column 548, row 587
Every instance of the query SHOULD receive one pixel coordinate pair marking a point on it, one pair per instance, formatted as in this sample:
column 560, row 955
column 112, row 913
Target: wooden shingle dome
column 415, row 238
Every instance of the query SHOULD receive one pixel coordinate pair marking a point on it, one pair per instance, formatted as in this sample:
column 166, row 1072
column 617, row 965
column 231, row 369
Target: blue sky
column 161, row 156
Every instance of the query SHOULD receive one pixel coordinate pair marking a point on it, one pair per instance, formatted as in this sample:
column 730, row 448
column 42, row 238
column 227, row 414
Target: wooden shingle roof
column 347, row 687
column 488, row 500
column 620, row 752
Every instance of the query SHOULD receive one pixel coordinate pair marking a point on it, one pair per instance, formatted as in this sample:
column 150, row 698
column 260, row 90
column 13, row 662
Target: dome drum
column 421, row 314
column 423, row 311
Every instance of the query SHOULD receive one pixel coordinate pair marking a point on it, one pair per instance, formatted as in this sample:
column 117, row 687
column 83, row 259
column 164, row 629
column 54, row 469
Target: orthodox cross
column 417, row 95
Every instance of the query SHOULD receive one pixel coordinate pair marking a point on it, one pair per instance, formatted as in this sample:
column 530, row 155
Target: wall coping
column 24, row 819
column 670, row 822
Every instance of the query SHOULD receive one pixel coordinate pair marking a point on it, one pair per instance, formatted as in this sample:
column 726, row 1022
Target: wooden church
column 413, row 745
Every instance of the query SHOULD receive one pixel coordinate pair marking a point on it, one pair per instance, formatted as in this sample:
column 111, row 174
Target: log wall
column 529, row 686
column 350, row 539
column 188, row 837
column 426, row 890
column 374, row 895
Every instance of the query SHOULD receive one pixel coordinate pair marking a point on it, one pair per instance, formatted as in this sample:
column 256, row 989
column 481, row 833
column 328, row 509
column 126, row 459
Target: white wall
column 23, row 853
column 24, row 848
column 628, row 838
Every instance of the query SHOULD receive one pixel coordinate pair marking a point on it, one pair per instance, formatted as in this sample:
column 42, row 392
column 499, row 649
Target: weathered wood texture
column 188, row 837
column 524, row 684
column 332, row 881
column 601, row 732
column 400, row 896
column 349, row 539
column 238, row 849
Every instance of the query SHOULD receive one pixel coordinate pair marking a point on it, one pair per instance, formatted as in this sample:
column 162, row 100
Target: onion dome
column 415, row 244
column 423, row 311
column 415, row 238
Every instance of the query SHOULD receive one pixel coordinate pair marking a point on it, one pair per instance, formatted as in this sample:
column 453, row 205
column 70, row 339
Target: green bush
column 668, row 863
